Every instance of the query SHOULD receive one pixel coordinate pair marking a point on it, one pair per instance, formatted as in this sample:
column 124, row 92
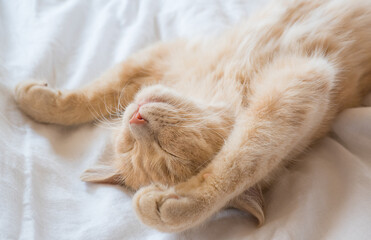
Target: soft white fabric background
column 327, row 195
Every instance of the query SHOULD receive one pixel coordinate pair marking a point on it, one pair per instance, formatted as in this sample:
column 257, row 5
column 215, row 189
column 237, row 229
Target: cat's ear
column 251, row 201
column 101, row 173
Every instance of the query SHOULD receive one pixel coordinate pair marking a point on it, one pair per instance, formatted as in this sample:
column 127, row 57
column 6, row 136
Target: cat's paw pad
column 36, row 99
column 164, row 209
column 25, row 86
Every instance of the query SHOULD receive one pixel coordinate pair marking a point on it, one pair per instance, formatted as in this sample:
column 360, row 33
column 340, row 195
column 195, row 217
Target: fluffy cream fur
column 222, row 115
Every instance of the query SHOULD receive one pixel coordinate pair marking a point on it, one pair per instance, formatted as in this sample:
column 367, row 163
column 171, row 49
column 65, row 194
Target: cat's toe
column 147, row 202
column 25, row 86
column 152, row 207
column 165, row 210
column 36, row 99
column 30, row 91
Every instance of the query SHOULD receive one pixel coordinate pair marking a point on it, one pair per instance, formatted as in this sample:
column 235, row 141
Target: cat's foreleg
column 106, row 95
column 287, row 108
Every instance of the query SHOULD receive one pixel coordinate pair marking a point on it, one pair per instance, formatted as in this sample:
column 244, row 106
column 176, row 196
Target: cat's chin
column 140, row 131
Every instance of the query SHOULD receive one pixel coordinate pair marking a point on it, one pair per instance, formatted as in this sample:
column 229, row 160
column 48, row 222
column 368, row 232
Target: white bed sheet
column 327, row 195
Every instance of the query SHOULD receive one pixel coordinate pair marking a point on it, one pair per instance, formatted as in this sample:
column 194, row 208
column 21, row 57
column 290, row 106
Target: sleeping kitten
column 207, row 122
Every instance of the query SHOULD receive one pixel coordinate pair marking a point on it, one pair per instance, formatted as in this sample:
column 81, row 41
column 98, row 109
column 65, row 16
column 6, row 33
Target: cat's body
column 224, row 113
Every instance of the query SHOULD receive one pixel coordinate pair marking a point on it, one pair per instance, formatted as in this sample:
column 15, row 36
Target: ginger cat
column 208, row 122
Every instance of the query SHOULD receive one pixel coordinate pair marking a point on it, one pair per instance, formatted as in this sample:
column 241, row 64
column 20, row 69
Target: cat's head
column 164, row 138
column 167, row 138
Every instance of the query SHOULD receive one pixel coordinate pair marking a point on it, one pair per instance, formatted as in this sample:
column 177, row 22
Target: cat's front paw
column 37, row 100
column 166, row 210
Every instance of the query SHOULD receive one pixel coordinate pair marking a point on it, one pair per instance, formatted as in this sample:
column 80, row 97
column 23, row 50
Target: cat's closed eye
column 171, row 134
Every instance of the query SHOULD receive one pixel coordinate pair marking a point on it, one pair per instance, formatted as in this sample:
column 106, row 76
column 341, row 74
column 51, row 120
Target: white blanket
column 327, row 195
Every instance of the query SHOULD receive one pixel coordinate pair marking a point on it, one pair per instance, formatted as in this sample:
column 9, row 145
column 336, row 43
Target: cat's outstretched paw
column 167, row 211
column 37, row 100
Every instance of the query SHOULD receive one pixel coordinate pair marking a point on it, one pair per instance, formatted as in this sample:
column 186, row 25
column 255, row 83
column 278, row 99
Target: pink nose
column 137, row 119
